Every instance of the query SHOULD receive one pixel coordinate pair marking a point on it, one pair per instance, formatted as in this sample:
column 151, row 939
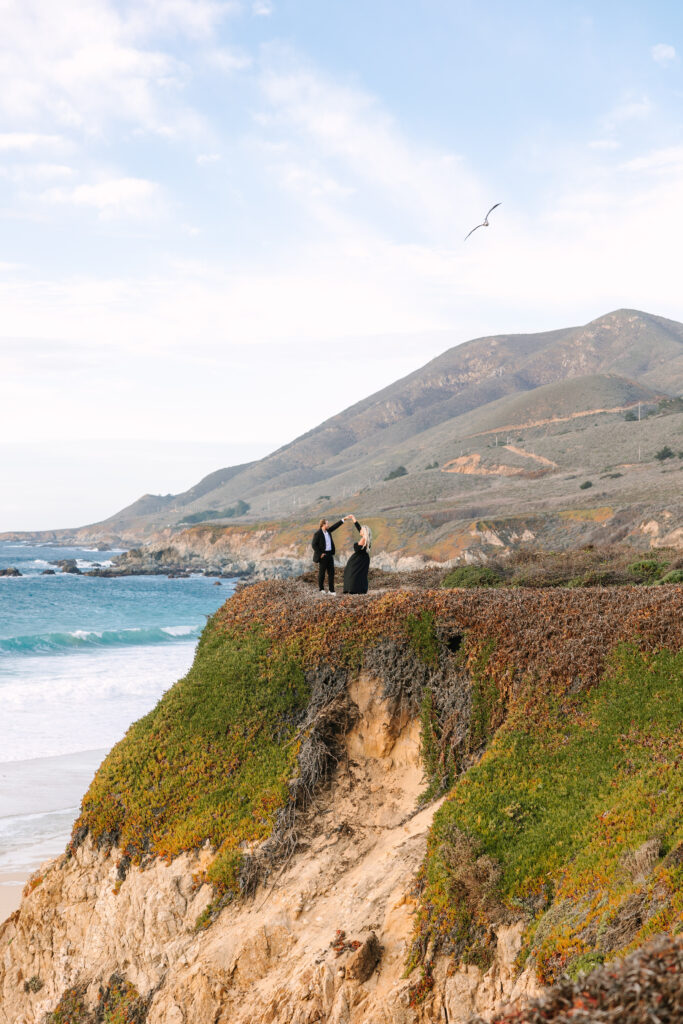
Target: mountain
column 568, row 396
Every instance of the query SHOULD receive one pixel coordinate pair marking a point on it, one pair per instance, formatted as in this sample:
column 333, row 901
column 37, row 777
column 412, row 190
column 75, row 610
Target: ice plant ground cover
column 550, row 716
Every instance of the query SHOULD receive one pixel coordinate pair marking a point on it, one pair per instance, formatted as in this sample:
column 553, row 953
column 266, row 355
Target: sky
column 222, row 221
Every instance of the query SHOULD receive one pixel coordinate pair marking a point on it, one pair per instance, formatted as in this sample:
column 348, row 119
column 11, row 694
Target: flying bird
column 484, row 223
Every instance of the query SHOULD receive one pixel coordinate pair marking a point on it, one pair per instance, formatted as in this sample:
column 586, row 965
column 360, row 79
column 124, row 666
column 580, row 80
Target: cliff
column 410, row 806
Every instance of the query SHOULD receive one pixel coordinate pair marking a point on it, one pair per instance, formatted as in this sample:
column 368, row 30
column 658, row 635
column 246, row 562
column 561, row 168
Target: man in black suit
column 323, row 553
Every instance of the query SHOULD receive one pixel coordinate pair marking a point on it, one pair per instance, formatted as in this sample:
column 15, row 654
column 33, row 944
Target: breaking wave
column 53, row 643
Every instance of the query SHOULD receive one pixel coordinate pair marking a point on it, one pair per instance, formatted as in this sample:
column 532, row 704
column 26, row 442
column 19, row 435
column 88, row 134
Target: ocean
column 81, row 658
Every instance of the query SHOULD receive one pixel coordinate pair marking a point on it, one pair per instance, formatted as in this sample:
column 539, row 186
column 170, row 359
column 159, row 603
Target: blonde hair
column 366, row 532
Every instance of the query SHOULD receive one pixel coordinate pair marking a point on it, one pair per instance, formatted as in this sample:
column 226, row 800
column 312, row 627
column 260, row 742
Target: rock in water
column 69, row 565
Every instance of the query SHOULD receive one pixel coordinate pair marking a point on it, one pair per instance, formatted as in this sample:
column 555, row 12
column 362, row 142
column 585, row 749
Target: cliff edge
column 411, row 806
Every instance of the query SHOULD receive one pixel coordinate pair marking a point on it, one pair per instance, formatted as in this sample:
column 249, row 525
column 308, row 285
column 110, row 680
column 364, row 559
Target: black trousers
column 326, row 565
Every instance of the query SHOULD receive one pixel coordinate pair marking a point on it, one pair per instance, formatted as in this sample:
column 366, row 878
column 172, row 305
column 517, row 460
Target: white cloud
column 629, row 110
column 667, row 160
column 115, row 197
column 25, row 141
column 604, row 144
column 208, row 158
column 85, row 64
column 663, row 53
column 28, row 173
column 341, row 136
column 228, row 60
column 262, row 8
column 194, row 18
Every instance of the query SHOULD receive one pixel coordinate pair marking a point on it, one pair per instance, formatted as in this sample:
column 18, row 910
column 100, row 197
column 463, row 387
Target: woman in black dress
column 356, row 570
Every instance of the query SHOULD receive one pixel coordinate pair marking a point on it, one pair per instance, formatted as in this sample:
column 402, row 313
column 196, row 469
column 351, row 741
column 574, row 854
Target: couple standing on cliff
column 356, row 569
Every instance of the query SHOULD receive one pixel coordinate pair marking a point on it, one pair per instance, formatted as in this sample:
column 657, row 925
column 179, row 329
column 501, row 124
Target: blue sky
column 221, row 222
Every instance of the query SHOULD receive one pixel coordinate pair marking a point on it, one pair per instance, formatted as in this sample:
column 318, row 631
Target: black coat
column 356, row 570
column 318, row 542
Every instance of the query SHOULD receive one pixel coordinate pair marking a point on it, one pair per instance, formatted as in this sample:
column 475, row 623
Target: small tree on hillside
column 664, row 453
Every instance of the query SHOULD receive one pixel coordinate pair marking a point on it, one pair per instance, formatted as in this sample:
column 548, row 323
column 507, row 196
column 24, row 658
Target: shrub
column 472, row 576
column 647, row 569
column 585, row 485
column 664, row 453
column 399, row 471
column 238, row 509
column 432, row 465
column 675, row 576
column 630, row 416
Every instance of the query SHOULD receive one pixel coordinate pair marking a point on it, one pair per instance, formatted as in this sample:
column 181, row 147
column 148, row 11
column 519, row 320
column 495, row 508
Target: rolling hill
column 497, row 427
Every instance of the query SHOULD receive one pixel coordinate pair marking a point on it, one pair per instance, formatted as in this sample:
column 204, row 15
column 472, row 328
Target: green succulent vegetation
column 553, row 819
column 210, row 762
column 422, row 637
column 119, row 1003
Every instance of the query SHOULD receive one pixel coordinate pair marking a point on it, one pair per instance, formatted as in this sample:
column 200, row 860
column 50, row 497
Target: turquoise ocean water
column 80, row 659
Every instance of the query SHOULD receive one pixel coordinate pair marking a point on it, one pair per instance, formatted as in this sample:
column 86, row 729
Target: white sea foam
column 56, row 705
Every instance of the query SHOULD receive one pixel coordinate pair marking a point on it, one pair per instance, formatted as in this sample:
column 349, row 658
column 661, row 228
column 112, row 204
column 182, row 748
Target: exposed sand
column 11, row 886
column 39, row 800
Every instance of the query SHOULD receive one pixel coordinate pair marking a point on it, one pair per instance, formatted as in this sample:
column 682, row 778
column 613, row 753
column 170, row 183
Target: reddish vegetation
column 558, row 635
column 646, row 987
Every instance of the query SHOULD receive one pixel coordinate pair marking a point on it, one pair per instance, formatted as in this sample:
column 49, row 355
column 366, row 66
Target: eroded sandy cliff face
column 287, row 767
column 325, row 939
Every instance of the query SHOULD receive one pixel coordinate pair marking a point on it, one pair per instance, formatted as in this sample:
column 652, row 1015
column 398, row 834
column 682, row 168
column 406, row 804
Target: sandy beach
column 39, row 801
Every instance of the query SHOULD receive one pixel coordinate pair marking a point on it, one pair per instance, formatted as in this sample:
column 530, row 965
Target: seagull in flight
column 484, row 223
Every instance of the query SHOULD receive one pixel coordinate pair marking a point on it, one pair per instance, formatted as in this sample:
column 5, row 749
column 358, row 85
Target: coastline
column 39, row 801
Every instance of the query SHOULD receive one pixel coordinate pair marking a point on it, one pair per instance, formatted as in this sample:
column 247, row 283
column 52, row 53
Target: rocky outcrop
column 10, row 571
column 68, row 565
column 324, row 939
